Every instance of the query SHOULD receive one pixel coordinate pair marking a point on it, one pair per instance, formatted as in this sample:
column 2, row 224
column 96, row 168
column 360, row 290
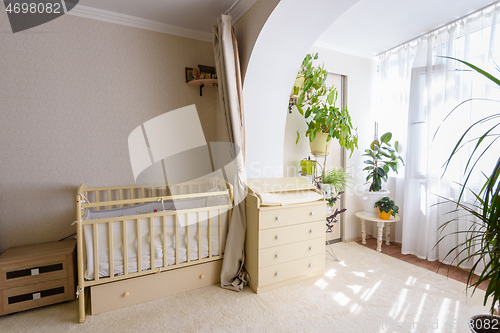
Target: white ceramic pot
column 370, row 198
column 327, row 188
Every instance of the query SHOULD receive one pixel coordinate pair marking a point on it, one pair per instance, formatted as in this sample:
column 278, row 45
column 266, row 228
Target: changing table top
column 284, row 191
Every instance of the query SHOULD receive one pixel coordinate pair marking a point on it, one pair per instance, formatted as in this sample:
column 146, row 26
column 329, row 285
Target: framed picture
column 189, row 74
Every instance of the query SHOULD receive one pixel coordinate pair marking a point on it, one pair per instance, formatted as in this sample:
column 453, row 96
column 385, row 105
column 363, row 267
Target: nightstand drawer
column 280, row 254
column 36, row 271
column 292, row 269
column 36, row 295
column 292, row 234
column 286, row 215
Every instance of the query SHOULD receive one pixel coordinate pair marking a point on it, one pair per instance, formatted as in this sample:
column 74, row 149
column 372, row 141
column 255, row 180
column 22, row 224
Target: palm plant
column 482, row 244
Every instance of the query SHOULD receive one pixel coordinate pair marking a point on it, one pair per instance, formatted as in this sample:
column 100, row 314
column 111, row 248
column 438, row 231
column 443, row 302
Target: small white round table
column 380, row 224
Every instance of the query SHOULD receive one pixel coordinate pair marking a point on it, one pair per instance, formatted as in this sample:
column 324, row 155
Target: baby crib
column 137, row 243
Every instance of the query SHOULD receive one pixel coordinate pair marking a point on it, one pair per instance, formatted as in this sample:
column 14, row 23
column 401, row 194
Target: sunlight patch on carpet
column 321, row 284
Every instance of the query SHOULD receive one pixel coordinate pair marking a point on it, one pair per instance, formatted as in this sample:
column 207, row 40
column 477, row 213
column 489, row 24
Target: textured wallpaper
column 71, row 91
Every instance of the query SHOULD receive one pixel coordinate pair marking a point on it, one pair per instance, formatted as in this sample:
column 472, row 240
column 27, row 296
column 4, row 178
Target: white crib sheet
column 131, row 225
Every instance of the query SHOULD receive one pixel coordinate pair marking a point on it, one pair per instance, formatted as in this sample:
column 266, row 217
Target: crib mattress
column 186, row 221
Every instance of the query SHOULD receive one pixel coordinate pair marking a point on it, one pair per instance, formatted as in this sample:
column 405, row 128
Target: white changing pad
column 289, row 198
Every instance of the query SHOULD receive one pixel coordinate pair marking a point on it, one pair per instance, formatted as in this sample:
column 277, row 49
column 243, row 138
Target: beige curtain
column 233, row 276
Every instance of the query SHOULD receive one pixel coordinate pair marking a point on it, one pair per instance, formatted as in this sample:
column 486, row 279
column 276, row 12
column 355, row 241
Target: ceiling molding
column 136, row 22
column 240, row 8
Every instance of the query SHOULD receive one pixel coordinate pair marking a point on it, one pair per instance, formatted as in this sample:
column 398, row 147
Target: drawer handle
column 310, row 265
column 312, row 213
column 277, row 273
column 126, row 294
column 278, row 218
column 310, row 248
column 278, row 237
column 312, row 231
column 277, row 255
column 202, row 276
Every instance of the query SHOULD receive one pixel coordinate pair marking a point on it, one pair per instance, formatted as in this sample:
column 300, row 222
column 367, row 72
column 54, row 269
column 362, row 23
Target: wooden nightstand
column 37, row 275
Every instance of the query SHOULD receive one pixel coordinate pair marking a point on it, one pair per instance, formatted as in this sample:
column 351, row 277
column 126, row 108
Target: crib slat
column 199, row 235
column 125, row 248
column 188, row 235
column 142, row 192
column 176, row 239
column 96, row 252
column 165, row 259
column 96, row 195
column 111, row 250
column 108, row 197
column 120, row 196
column 210, row 234
column 220, row 233
column 139, row 245
column 152, row 243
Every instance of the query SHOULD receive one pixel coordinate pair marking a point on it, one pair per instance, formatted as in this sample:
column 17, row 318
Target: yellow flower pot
column 384, row 215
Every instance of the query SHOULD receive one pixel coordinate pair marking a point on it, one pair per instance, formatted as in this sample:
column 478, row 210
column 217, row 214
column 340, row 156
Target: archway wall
column 287, row 35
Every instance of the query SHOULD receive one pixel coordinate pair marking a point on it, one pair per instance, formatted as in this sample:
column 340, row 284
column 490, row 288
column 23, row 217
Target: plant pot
column 307, row 167
column 484, row 323
column 384, row 215
column 319, row 146
column 370, row 198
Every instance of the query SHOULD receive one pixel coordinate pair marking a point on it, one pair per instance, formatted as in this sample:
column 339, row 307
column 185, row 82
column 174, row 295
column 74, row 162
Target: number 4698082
column 34, row 8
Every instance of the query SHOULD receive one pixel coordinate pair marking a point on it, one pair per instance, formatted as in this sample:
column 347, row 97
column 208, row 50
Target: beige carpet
column 365, row 292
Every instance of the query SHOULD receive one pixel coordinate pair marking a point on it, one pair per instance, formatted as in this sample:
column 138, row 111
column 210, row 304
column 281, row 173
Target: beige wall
column 248, row 27
column 71, row 91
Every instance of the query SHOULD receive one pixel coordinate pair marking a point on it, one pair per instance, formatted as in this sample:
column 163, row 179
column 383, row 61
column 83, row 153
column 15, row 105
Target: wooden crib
column 133, row 258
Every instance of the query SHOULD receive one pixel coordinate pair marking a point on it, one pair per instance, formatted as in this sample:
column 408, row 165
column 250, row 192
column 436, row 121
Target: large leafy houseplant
column 383, row 159
column 482, row 241
column 316, row 103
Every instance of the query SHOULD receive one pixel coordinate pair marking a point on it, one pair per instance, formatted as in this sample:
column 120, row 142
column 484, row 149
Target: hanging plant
column 317, row 104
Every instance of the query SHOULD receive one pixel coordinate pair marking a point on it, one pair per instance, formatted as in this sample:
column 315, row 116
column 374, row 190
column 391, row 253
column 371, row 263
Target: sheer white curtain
column 420, row 88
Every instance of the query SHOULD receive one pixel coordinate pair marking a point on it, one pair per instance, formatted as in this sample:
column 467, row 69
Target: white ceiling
column 192, row 14
column 374, row 26
column 366, row 29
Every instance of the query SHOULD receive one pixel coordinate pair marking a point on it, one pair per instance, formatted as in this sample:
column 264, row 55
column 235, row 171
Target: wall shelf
column 201, row 83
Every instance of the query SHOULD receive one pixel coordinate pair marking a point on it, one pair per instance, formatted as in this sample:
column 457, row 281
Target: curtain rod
column 441, row 27
column 229, row 9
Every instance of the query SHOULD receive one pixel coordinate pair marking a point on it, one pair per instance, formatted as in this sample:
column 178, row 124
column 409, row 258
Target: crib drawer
column 289, row 270
column 119, row 294
column 280, row 254
column 279, row 217
column 292, row 234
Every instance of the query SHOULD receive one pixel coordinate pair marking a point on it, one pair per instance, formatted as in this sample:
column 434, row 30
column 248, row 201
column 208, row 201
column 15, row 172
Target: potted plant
column 482, row 239
column 316, row 103
column 386, row 208
column 383, row 158
column 334, row 181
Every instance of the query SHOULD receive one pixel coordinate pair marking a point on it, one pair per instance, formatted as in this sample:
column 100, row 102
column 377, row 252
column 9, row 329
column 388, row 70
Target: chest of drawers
column 285, row 244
